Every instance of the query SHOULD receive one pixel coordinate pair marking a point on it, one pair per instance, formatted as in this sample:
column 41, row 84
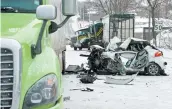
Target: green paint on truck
column 40, row 81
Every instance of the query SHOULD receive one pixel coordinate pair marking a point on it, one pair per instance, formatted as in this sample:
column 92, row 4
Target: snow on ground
column 145, row 92
column 164, row 38
column 73, row 58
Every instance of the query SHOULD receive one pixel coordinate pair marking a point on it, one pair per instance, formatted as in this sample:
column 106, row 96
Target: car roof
column 139, row 40
column 126, row 43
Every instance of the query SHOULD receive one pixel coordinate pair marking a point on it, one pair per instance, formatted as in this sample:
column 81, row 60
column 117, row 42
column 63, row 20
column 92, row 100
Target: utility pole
column 149, row 24
column 89, row 16
column 83, row 13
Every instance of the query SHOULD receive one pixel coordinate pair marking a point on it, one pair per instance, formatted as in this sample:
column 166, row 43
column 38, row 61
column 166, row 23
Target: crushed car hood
column 113, row 44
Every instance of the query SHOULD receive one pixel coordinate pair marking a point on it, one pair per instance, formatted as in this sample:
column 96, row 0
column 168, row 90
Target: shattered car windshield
column 19, row 6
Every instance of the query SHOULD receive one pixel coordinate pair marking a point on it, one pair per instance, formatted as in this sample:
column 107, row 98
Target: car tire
column 75, row 48
column 153, row 69
column 80, row 48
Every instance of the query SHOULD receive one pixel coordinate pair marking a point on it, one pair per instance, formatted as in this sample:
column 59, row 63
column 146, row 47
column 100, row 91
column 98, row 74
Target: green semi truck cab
column 82, row 33
column 86, row 37
column 31, row 62
column 94, row 30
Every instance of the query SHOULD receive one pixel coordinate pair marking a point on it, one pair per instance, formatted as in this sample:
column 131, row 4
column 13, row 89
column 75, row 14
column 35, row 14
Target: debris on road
column 66, row 98
column 84, row 89
column 73, row 69
column 80, row 75
column 87, row 79
column 112, row 80
column 87, row 90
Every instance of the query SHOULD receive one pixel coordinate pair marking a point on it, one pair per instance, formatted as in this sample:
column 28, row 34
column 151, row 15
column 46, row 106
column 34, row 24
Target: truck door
column 85, row 43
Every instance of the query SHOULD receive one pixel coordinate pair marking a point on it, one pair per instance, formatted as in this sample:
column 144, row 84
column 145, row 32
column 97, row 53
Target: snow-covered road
column 145, row 92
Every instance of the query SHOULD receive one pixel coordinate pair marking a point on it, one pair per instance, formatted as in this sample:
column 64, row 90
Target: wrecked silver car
column 108, row 62
column 145, row 54
column 131, row 56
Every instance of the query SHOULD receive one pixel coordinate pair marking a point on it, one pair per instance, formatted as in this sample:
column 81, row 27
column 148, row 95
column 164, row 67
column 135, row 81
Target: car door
column 134, row 60
column 127, row 56
column 140, row 61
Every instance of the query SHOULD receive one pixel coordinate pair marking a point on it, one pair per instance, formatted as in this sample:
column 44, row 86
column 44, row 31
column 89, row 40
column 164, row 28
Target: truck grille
column 7, row 78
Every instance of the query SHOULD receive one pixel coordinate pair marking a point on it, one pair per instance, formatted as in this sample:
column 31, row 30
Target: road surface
column 145, row 92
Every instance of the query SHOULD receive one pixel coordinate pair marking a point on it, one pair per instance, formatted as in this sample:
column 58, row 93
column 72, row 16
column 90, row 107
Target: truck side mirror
column 46, row 12
column 69, row 7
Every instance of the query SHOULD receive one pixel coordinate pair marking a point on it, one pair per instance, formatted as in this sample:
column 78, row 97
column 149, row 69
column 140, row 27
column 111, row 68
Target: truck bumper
column 59, row 105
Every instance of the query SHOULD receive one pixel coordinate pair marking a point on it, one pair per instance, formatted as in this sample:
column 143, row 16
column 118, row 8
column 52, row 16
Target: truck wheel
column 80, row 48
column 63, row 62
column 153, row 69
column 75, row 48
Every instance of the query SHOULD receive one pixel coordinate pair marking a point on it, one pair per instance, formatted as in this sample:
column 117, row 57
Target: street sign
column 158, row 26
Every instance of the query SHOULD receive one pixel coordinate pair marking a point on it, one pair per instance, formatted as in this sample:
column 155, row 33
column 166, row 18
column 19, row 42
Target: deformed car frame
column 155, row 65
column 110, row 62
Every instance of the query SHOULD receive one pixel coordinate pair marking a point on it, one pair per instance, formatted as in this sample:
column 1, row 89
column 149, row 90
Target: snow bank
column 166, row 22
column 141, row 22
column 164, row 39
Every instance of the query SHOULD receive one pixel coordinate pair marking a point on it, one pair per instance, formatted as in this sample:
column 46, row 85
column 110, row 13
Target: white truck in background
column 61, row 37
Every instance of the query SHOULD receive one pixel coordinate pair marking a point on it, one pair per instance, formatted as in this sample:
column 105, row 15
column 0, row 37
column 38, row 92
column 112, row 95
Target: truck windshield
column 19, row 6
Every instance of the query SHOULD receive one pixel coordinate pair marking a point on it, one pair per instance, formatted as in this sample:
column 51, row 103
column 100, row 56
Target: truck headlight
column 43, row 92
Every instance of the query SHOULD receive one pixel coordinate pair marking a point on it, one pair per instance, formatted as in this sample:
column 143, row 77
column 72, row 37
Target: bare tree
column 167, row 8
column 153, row 5
column 114, row 6
column 152, row 8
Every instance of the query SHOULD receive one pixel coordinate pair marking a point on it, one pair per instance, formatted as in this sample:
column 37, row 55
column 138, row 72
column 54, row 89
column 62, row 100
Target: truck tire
column 75, row 48
column 63, row 62
column 153, row 69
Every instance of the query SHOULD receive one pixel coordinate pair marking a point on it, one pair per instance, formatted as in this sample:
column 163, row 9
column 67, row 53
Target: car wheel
column 80, row 48
column 75, row 48
column 153, row 69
